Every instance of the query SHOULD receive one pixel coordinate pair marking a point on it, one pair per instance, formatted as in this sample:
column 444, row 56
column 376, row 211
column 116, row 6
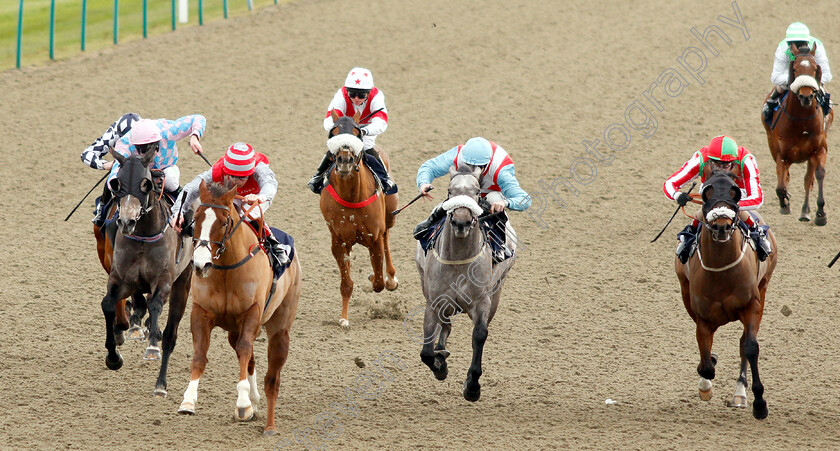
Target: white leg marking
column 243, row 388
column 705, row 384
column 254, row 394
column 191, row 393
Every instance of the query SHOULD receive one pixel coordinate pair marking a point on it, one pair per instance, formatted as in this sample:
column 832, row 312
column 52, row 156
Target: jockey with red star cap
column 358, row 95
column 722, row 154
column 246, row 170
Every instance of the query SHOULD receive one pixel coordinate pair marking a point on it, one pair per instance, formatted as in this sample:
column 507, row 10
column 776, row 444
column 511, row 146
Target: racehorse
column 357, row 211
column 124, row 328
column 724, row 281
column 458, row 275
column 797, row 133
column 145, row 261
column 232, row 289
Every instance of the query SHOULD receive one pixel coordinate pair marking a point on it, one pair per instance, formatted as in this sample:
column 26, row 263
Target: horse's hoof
column 136, row 333
column 187, row 408
column 152, row 353
column 705, row 389
column 739, row 401
column 244, row 413
column 119, row 337
column 344, row 323
column 442, row 353
column 472, row 395
column 805, row 218
column 114, row 364
column 392, row 283
column 268, row 432
column 821, row 220
column 760, row 409
column 441, row 373
column 160, row 393
column 784, row 210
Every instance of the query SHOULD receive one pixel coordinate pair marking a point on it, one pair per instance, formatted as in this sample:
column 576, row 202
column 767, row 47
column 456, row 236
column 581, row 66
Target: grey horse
column 145, row 261
column 458, row 275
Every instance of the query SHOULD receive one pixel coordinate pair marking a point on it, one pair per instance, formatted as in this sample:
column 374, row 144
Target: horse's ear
column 818, row 75
column 791, row 73
column 452, row 171
column 147, row 158
column 357, row 116
column 117, row 156
column 202, row 187
column 228, row 197
column 334, row 131
column 793, row 49
column 334, row 115
column 477, row 172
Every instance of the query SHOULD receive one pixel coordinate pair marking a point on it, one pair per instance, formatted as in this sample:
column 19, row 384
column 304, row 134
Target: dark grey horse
column 144, row 261
column 458, row 275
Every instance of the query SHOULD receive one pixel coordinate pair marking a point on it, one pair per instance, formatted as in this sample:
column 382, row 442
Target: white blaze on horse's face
column 130, row 211
column 202, row 256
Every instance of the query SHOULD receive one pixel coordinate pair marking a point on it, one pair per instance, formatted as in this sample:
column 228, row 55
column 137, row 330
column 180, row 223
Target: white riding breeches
column 172, row 178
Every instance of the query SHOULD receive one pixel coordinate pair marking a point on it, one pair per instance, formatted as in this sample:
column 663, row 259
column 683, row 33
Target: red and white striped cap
column 240, row 160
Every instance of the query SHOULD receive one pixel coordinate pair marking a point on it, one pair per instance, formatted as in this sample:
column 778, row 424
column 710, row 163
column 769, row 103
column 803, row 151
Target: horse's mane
column 217, row 190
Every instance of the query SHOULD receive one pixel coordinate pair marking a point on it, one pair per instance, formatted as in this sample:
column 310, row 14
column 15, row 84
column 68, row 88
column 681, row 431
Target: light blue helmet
column 477, row 152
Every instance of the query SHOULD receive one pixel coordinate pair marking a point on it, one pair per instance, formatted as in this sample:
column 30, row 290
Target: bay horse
column 797, row 133
column 458, row 275
column 723, row 282
column 232, row 289
column 145, row 261
column 357, row 211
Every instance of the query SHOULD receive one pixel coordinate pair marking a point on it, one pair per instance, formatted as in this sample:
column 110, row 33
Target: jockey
column 722, row 153
column 159, row 136
column 92, row 156
column 499, row 187
column 248, row 171
column 358, row 95
column 797, row 36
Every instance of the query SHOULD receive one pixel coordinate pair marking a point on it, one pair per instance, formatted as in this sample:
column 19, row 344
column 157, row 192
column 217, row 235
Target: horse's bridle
column 225, row 238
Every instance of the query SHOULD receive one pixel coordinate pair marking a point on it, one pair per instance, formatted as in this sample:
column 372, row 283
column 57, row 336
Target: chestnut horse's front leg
column 377, row 251
column 821, row 219
column 706, row 368
column 341, row 252
column 782, row 176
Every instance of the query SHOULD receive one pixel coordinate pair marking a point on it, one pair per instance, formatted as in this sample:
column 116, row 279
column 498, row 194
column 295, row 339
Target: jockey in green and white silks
column 797, row 35
column 499, row 186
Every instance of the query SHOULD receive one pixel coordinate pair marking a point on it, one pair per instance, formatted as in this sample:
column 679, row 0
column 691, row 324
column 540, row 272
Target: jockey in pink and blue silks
column 499, row 187
column 797, row 35
column 131, row 134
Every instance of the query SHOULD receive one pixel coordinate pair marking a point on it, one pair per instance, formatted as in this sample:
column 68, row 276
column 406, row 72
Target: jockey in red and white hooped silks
column 722, row 153
column 247, row 170
column 358, row 95
column 797, row 35
column 499, row 186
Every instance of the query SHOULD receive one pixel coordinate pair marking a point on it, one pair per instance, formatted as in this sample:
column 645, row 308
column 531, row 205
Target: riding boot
column 100, row 214
column 770, row 106
column 437, row 214
column 278, row 251
column 375, row 163
column 826, row 103
column 318, row 181
column 686, row 237
column 762, row 248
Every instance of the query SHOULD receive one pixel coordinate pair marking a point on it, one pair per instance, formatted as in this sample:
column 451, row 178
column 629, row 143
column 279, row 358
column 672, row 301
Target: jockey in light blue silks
column 499, row 187
column 797, row 35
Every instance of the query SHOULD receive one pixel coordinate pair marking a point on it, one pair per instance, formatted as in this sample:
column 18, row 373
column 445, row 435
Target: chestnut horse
column 797, row 133
column 144, row 260
column 723, row 282
column 232, row 289
column 357, row 211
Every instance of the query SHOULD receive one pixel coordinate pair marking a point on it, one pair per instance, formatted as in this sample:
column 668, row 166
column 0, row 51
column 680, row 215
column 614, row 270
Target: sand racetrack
column 591, row 310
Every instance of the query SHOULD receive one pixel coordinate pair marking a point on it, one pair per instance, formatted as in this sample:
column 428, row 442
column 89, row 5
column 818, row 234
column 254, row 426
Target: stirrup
column 316, row 184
